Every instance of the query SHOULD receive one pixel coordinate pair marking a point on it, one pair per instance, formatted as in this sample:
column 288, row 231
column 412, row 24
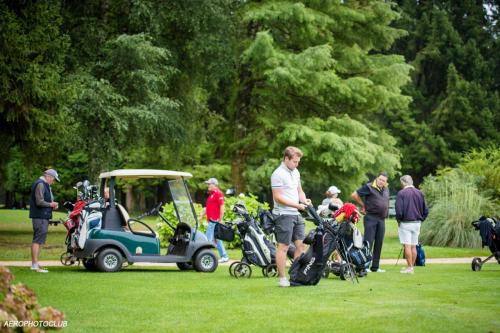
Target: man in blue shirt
column 411, row 211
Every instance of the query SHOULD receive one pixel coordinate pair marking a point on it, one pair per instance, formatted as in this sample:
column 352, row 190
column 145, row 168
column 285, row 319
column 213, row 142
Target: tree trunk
column 130, row 202
column 237, row 168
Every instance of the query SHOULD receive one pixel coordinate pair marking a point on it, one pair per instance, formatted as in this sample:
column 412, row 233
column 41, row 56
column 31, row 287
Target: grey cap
column 53, row 173
column 212, row 181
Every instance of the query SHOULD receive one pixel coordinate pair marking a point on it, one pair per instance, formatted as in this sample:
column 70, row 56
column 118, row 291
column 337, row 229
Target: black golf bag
column 308, row 268
column 489, row 230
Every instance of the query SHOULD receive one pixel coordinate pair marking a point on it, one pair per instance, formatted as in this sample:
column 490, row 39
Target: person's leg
column 413, row 254
column 281, row 259
column 35, row 250
column 40, row 230
column 370, row 226
column 379, row 241
column 210, row 232
column 298, row 235
column 409, row 255
column 221, row 249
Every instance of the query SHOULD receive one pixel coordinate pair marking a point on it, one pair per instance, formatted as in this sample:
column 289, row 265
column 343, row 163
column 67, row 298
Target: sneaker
column 408, row 270
column 223, row 259
column 39, row 269
column 379, row 270
column 284, row 282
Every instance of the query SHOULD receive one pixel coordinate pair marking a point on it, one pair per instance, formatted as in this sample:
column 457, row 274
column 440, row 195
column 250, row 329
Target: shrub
column 454, row 202
column 250, row 201
column 19, row 303
column 166, row 232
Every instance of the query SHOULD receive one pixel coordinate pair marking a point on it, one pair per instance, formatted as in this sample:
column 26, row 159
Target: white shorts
column 408, row 232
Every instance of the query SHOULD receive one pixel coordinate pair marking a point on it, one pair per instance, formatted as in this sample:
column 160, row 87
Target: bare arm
column 358, row 199
column 279, row 198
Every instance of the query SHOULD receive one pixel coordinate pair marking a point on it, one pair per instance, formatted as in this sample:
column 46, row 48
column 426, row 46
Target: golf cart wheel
column 347, row 272
column 109, row 260
column 185, row 266
column 89, row 264
column 242, row 270
column 270, row 270
column 67, row 259
column 205, row 261
column 476, row 264
column 231, row 267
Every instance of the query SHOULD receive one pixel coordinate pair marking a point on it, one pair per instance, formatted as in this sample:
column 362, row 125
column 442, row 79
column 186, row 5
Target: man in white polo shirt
column 288, row 198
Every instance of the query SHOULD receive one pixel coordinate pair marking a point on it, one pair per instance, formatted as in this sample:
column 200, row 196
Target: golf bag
column 489, row 230
column 308, row 268
column 257, row 248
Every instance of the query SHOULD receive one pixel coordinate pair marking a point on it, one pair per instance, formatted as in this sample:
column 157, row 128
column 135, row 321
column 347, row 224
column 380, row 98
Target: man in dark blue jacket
column 41, row 206
column 411, row 211
column 374, row 200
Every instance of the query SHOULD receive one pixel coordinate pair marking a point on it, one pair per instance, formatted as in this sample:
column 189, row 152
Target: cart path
column 52, row 263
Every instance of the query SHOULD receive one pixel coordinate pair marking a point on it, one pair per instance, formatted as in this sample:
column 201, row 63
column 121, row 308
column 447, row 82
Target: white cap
column 333, row 190
column 212, row 181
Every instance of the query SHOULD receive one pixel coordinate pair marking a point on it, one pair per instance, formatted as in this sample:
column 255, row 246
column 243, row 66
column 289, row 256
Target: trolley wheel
column 347, row 272
column 232, row 266
column 242, row 270
column 326, row 273
column 270, row 270
column 476, row 264
column 67, row 259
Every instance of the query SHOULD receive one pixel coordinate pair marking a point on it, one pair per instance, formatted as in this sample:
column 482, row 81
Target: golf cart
column 119, row 238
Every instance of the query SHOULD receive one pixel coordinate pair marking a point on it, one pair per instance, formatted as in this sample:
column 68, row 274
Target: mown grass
column 16, row 235
column 437, row 298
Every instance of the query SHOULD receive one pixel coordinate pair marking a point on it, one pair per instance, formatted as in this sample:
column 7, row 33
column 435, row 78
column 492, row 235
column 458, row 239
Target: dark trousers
column 374, row 233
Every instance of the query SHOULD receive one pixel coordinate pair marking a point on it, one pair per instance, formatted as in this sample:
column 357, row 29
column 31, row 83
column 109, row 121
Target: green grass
column 16, row 235
column 168, row 300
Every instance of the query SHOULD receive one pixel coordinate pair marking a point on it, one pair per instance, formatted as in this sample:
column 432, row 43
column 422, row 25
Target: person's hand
column 301, row 206
column 54, row 205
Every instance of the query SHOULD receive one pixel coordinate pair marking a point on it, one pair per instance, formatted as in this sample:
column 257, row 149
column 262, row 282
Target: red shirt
column 214, row 201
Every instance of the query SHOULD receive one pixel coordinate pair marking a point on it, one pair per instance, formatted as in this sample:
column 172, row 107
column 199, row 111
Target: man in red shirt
column 214, row 212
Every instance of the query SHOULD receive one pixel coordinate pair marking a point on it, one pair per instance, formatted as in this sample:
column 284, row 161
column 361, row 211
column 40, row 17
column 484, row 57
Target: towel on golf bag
column 223, row 232
column 308, row 268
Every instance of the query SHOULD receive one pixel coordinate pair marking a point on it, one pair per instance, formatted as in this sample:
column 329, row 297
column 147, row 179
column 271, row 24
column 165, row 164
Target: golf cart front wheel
column 242, row 270
column 89, row 264
column 270, row 270
column 205, row 261
column 109, row 260
column 476, row 264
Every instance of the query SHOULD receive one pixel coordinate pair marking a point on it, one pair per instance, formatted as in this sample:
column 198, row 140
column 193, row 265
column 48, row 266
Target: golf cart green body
column 121, row 238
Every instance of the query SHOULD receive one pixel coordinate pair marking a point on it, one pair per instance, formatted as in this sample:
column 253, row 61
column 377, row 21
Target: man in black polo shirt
column 374, row 200
column 41, row 206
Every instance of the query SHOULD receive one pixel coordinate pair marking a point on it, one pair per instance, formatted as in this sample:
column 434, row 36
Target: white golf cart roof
column 145, row 173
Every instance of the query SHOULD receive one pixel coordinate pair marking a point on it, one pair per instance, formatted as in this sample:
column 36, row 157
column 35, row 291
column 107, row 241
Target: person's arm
column 279, row 198
column 357, row 198
column 302, row 196
column 426, row 209
column 39, row 198
column 399, row 205
column 222, row 213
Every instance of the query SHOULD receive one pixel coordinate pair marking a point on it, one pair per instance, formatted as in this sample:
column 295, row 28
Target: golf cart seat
column 125, row 217
column 180, row 240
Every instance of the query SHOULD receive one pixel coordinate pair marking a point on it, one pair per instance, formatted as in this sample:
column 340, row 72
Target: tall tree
column 306, row 61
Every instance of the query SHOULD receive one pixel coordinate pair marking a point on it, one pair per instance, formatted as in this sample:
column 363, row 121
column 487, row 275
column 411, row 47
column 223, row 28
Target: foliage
column 454, row 201
column 19, row 303
column 165, row 232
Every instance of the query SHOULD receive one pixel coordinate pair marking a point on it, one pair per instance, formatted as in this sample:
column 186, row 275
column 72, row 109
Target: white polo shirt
column 288, row 181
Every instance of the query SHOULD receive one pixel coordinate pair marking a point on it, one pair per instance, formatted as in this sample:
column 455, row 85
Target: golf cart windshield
column 182, row 201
